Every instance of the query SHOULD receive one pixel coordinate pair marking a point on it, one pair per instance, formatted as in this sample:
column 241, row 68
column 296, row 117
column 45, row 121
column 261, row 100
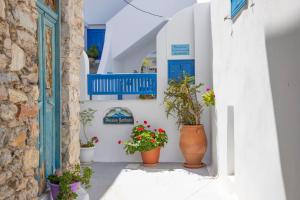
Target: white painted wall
column 256, row 72
column 130, row 30
column 100, row 11
column 188, row 31
column 84, row 71
column 153, row 110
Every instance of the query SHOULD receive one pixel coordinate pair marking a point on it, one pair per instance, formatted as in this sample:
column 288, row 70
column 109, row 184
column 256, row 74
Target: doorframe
column 58, row 73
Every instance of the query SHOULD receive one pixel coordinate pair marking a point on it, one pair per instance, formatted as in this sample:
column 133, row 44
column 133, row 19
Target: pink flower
column 145, row 122
column 120, row 142
column 95, row 139
column 148, row 126
column 207, row 89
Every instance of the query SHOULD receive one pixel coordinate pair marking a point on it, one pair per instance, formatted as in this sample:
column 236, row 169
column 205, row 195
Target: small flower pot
column 87, row 154
column 55, row 189
column 151, row 158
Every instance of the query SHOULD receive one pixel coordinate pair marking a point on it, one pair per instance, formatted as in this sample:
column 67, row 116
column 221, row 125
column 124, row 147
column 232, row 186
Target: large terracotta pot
column 151, row 158
column 193, row 144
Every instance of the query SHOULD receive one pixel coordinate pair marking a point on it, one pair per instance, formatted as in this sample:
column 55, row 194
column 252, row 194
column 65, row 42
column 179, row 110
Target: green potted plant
column 93, row 52
column 87, row 148
column 64, row 185
column 147, row 141
column 181, row 102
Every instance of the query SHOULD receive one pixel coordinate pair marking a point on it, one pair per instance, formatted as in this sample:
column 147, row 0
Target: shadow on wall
column 284, row 66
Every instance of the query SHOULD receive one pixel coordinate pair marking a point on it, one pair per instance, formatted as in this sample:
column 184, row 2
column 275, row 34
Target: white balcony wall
column 130, row 31
column 256, row 75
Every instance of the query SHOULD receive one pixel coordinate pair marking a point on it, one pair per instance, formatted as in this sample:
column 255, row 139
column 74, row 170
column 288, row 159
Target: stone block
column 32, row 78
column 3, row 93
column 18, row 58
column 8, row 111
column 6, row 192
column 5, row 157
column 30, row 158
column 3, row 61
column 9, row 78
column 27, row 111
column 4, row 176
column 17, row 96
column 2, row 9
column 19, row 140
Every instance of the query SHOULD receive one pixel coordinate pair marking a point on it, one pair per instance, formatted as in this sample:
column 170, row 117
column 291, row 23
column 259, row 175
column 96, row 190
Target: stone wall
column 18, row 99
column 72, row 35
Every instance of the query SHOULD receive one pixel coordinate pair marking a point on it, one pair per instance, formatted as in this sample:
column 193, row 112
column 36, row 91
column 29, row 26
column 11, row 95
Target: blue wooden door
column 49, row 87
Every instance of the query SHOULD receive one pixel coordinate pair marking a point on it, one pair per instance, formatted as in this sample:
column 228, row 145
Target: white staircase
column 131, row 34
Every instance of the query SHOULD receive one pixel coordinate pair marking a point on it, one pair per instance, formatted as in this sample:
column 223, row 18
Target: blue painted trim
column 121, row 84
column 237, row 6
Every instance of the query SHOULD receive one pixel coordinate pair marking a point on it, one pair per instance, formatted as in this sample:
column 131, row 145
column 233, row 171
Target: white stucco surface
column 254, row 66
column 100, row 11
column 84, row 71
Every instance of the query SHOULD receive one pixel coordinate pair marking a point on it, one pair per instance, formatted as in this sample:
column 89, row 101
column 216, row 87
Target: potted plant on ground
column 146, row 141
column 64, row 185
column 181, row 102
column 87, row 148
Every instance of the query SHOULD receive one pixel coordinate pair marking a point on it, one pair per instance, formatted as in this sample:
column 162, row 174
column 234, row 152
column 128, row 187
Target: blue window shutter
column 178, row 68
column 237, row 6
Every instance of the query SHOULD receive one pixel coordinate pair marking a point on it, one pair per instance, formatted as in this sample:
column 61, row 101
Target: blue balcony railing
column 122, row 84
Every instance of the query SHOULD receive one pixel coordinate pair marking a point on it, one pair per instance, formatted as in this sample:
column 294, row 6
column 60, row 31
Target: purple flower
column 207, row 89
column 95, row 139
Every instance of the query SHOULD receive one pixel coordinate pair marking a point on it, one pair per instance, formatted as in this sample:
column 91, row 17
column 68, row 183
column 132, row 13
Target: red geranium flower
column 119, row 142
column 140, row 129
column 153, row 141
column 161, row 130
column 145, row 122
column 153, row 135
column 139, row 137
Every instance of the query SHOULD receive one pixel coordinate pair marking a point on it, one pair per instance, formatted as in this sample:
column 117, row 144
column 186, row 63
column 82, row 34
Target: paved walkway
column 120, row 181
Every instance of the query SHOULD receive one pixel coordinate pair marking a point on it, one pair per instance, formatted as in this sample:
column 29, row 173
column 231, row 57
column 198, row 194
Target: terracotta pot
column 151, row 158
column 193, row 144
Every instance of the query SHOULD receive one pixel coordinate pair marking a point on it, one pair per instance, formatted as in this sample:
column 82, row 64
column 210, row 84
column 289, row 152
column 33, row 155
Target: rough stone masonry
column 18, row 99
column 19, row 93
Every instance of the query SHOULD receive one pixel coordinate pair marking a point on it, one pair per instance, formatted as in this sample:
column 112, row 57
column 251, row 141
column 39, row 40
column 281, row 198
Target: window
column 178, row 68
column 96, row 37
column 237, row 6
